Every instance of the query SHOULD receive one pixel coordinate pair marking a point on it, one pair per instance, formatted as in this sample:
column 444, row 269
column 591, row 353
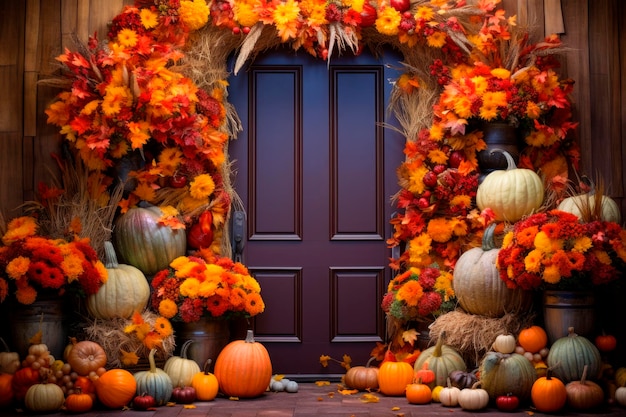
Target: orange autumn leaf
column 369, row 398
column 347, row 391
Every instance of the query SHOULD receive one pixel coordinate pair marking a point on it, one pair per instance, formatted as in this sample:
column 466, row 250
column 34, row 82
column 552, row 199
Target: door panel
column 315, row 170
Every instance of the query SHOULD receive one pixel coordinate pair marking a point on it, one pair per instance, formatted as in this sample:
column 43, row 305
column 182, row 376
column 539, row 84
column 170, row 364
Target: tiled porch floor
column 312, row 400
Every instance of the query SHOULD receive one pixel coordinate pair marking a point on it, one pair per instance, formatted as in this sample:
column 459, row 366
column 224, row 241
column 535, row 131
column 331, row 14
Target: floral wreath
column 157, row 92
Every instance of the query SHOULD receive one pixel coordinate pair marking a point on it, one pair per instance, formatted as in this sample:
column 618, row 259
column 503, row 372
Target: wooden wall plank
column 11, row 176
column 576, row 67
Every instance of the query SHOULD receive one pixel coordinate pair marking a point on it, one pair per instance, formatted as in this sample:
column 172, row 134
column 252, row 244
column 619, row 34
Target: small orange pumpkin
column 78, row 402
column 548, row 394
column 533, row 339
column 205, row 383
column 418, row 393
column 243, row 368
column 86, row 356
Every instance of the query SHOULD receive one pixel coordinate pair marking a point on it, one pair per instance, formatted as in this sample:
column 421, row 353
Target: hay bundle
column 111, row 336
column 472, row 335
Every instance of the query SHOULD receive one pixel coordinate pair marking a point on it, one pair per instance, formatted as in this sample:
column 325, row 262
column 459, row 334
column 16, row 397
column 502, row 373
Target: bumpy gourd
column 504, row 373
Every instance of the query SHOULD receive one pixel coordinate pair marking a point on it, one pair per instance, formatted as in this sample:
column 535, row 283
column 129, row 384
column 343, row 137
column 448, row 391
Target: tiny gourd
column 205, row 383
column 9, row 361
column 505, row 343
column 362, row 378
column 155, row 382
column 620, row 396
column 291, row 387
column 511, row 193
column 449, row 395
column 474, row 398
column 44, row 398
column 180, row 369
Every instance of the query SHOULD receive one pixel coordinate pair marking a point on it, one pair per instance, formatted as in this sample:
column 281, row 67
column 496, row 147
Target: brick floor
column 312, row 400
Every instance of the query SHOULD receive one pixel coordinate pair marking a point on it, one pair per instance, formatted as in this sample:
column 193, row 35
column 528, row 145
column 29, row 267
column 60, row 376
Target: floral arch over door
column 157, row 90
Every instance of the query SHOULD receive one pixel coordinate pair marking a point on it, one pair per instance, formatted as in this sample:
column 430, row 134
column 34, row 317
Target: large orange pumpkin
column 116, row 388
column 393, row 378
column 243, row 368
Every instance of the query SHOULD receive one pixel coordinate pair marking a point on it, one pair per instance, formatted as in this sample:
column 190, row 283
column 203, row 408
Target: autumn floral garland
column 128, row 98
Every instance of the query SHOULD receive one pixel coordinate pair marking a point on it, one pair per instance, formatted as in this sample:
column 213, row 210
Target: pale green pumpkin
column 155, row 382
column 441, row 359
column 504, row 373
column 569, row 354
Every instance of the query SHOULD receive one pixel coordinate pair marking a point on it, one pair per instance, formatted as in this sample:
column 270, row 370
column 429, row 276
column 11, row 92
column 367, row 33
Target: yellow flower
column 127, row 37
column 603, row 257
column 420, row 244
column 148, row 18
column 436, row 132
column 245, row 13
column 416, row 183
column 461, row 201
column 170, row 159
column 195, row 14
column 480, row 85
column 488, row 112
column 190, row 288
column 388, row 21
column 463, row 107
column 114, row 98
column 72, row 267
column 437, row 156
column 494, row 99
column 546, row 245
column 436, row 40
column 424, row 12
column 286, row 13
column 582, row 244
column 202, row 186
column 532, row 261
column 501, row 73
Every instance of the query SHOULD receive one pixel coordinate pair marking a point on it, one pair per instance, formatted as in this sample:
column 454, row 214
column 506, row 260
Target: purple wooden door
column 315, row 169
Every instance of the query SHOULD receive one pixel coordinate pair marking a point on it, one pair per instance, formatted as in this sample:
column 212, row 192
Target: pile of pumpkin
column 42, row 384
column 518, row 371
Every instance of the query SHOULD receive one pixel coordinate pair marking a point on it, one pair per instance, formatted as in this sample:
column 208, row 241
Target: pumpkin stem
column 369, row 362
column 207, row 366
column 488, row 242
column 439, row 345
column 153, row 368
column 510, row 162
column 249, row 336
column 184, row 347
column 110, row 257
column 583, row 378
column 570, row 332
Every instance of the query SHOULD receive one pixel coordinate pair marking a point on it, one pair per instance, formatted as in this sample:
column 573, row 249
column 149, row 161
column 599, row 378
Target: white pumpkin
column 511, row 193
column 583, row 205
